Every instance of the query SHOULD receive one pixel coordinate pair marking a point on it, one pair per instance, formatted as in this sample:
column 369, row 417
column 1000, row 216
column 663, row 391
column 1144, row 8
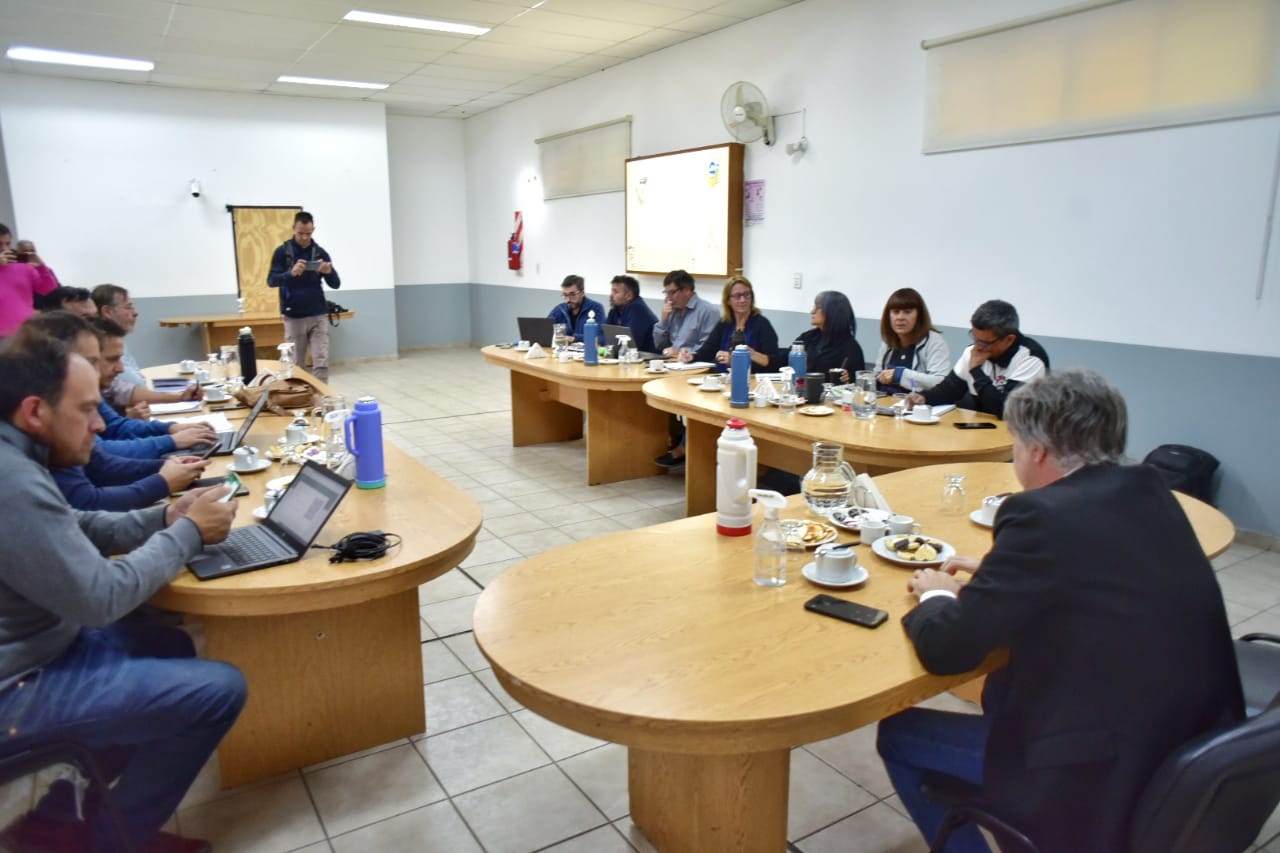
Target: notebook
column 611, row 333
column 536, row 330
column 286, row 533
column 227, row 441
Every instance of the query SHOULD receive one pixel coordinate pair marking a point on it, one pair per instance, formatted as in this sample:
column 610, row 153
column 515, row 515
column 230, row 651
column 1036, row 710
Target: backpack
column 1185, row 469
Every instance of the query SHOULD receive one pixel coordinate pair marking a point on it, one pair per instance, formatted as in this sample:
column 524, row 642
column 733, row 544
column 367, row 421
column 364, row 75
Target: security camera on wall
column 195, row 188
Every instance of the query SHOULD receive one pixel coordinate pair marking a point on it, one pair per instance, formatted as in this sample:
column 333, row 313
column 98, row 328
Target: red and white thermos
column 735, row 477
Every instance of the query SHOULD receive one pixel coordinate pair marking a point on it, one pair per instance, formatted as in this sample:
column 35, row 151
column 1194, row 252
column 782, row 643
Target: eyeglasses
column 745, row 294
column 980, row 343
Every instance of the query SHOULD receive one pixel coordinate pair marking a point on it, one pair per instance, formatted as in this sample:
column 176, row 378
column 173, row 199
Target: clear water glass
column 787, row 403
column 954, row 498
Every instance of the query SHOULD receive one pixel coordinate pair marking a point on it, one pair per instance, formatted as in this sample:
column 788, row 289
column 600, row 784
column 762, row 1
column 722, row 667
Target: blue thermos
column 739, row 376
column 591, row 340
column 363, row 431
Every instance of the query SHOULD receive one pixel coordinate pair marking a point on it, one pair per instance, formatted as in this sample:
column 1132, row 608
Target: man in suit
column 1119, row 648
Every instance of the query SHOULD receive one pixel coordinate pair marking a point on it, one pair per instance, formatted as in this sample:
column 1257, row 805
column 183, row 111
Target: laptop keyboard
column 249, row 545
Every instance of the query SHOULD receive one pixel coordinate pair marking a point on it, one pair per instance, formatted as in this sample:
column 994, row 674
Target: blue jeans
column 137, row 696
column 920, row 739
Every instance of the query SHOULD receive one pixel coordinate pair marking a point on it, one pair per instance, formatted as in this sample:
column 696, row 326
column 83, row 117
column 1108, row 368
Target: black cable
column 361, row 546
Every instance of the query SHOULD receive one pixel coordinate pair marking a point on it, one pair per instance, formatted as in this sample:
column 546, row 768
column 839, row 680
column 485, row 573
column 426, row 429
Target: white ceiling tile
column 518, row 52
column 181, row 81
column 553, row 41
column 218, row 51
column 577, row 25
column 657, row 39
column 334, row 70
column 480, row 12
column 626, row 11
column 489, row 63
column 494, row 77
column 687, row 5
column 237, row 27
column 201, row 66
column 588, row 64
column 744, row 9
column 704, row 22
column 349, row 36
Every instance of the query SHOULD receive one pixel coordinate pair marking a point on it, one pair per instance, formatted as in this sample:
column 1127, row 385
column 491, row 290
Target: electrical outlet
column 798, row 280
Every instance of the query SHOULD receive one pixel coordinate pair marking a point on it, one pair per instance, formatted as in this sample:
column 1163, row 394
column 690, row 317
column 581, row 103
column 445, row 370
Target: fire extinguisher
column 516, row 244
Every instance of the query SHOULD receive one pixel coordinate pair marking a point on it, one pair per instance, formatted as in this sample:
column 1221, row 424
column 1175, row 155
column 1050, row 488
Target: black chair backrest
column 1215, row 792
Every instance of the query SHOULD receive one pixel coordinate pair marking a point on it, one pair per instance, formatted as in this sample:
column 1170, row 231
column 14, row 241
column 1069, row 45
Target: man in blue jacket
column 300, row 268
column 577, row 306
column 631, row 311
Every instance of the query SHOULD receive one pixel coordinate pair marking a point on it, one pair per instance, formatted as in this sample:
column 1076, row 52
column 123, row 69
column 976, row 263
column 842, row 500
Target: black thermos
column 248, row 355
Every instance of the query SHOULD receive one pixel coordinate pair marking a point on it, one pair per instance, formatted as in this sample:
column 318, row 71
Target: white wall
column 1151, row 238
column 99, row 176
column 428, row 200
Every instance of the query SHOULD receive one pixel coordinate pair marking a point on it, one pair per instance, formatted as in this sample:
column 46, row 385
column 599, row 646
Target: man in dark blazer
column 1119, row 647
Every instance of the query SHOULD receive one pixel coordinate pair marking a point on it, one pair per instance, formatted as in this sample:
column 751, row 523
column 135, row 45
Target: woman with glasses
column 740, row 323
column 913, row 354
column 830, row 344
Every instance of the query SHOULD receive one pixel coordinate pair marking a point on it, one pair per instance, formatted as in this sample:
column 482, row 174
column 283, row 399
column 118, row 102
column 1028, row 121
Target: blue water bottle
column 739, row 376
column 591, row 340
column 798, row 362
column 363, row 431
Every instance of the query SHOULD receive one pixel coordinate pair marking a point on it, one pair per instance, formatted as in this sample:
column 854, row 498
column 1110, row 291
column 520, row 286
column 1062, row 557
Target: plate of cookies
column 912, row 549
column 803, row 533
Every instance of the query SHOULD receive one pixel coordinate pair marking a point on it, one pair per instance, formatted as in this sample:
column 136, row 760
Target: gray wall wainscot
column 1204, row 399
column 433, row 315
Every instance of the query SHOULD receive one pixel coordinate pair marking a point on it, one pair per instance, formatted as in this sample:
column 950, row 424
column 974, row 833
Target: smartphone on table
column 848, row 611
column 975, row 425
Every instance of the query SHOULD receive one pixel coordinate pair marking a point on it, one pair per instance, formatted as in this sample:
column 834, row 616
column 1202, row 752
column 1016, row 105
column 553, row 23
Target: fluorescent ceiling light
column 89, row 60
column 414, row 23
column 320, row 81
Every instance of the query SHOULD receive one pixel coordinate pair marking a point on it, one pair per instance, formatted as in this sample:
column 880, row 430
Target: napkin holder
column 536, row 351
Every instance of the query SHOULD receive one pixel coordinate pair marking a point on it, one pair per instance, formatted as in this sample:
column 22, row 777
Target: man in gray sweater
column 134, row 694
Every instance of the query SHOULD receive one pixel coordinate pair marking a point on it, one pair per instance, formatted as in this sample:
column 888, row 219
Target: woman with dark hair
column 913, row 354
column 830, row 344
column 740, row 323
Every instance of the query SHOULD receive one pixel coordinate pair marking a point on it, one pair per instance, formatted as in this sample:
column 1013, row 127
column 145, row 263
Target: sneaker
column 167, row 842
column 667, row 460
column 33, row 833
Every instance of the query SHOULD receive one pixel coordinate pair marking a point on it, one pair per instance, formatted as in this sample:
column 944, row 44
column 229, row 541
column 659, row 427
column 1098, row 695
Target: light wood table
column 332, row 652
column 786, row 441
column 549, row 398
column 218, row 330
column 658, row 639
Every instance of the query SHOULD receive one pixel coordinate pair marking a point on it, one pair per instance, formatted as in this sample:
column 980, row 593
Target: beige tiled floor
column 489, row 775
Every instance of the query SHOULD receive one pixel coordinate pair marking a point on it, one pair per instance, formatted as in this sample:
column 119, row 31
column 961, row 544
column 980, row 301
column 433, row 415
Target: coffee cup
column 835, row 563
column 295, row 434
column 712, row 382
column 187, row 365
column 246, row 458
column 899, row 524
column 657, row 365
column 215, row 393
column 987, row 512
column 922, row 412
column 523, row 345
column 563, row 355
column 202, row 376
column 870, row 531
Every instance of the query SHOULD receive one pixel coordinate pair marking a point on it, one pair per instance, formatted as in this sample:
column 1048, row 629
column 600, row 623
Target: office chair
column 1212, row 794
column 23, row 762
column 1258, row 656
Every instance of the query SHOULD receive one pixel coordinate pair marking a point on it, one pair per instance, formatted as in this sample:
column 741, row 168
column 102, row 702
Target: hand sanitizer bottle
column 771, row 543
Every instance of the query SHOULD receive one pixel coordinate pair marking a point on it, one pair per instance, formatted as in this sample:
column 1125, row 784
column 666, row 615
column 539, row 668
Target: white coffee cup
column 922, row 412
column 835, row 563
column 987, row 512
column 295, row 434
column 712, row 382
column 215, row 393
column 871, row 530
column 657, row 365
column 246, row 458
column 563, row 355
column 523, row 345
column 899, row 524
column 187, row 365
column 202, row 376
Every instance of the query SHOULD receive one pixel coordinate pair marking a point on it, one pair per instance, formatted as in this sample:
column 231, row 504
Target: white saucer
column 523, row 349
column 702, row 387
column 976, row 518
column 923, row 421
column 182, row 372
column 263, row 464
column 260, row 513
column 647, row 370
column 311, row 438
column 810, row 572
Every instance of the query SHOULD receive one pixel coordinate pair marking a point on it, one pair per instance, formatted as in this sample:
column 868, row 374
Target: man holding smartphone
column 300, row 268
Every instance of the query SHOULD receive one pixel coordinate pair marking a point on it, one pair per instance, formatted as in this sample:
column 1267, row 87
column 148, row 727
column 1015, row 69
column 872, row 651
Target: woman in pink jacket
column 22, row 276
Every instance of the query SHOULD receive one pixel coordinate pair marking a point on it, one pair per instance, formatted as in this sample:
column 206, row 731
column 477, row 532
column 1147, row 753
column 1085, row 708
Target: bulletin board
column 684, row 211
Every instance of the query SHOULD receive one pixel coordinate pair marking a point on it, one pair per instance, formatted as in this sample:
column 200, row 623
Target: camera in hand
column 21, row 257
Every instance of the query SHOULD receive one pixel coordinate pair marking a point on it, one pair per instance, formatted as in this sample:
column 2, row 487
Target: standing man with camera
column 300, row 268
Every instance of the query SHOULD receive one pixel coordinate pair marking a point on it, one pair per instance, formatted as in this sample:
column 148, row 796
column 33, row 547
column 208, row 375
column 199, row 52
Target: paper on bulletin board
column 753, row 201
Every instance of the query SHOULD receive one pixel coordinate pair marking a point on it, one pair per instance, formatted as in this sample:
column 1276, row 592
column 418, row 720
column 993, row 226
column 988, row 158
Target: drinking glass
column 864, row 395
column 954, row 499
column 559, row 338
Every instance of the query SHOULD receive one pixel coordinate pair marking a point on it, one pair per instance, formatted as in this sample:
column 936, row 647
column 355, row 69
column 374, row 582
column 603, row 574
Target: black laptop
column 536, row 330
column 611, row 333
column 286, row 533
column 227, row 441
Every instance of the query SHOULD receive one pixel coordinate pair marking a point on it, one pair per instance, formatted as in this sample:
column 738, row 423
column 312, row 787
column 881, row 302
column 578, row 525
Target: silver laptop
column 287, row 532
column 227, row 441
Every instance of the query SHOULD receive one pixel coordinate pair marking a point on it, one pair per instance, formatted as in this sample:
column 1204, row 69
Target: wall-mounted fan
column 746, row 114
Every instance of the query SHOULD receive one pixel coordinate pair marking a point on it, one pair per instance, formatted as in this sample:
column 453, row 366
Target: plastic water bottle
column 363, row 431
column 771, row 542
column 798, row 361
column 739, row 377
column 591, row 340
column 735, row 477
column 248, row 354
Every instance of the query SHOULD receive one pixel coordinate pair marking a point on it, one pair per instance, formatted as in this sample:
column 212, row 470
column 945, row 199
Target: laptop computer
column 537, row 330
column 286, row 533
column 611, row 333
column 227, row 441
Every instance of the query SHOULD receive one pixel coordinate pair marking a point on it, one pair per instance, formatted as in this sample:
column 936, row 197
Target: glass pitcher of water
column 829, row 482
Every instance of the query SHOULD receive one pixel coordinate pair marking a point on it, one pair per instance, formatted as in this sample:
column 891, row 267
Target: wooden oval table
column 332, row 651
column 658, row 639
column 549, row 398
column 874, row 446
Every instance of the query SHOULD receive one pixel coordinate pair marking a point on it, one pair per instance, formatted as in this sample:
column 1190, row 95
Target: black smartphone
column 849, row 611
column 312, row 266
column 975, row 425
column 204, row 482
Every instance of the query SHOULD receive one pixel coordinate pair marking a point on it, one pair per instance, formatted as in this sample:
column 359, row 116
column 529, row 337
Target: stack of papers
column 174, row 408
column 692, row 365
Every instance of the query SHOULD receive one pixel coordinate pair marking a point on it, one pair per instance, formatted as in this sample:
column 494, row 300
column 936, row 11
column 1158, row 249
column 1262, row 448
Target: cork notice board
column 258, row 231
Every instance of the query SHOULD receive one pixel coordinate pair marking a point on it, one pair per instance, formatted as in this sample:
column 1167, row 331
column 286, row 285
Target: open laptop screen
column 306, row 505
